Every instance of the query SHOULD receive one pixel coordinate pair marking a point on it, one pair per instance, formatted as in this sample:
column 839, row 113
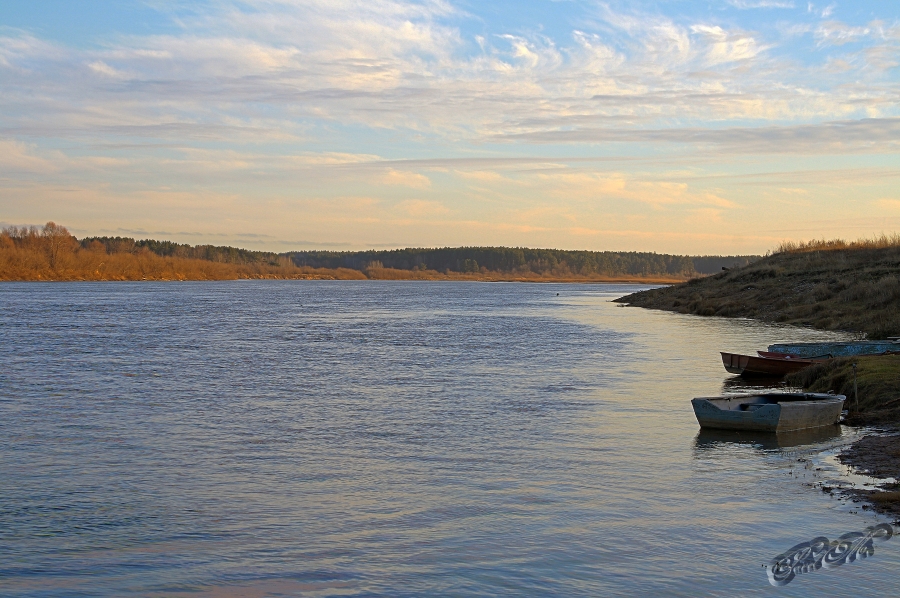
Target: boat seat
column 750, row 406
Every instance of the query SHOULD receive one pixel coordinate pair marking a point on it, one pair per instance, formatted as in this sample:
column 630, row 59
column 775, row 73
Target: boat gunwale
column 805, row 397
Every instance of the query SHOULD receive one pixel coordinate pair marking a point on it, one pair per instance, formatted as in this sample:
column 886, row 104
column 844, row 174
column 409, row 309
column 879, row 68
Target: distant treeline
column 52, row 253
column 212, row 253
column 523, row 261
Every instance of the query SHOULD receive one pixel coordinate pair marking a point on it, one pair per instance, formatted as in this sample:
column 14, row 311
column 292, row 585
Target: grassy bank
column 877, row 385
column 831, row 286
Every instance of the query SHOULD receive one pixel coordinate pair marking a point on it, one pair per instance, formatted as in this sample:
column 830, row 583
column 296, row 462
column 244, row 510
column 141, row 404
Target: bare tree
column 57, row 239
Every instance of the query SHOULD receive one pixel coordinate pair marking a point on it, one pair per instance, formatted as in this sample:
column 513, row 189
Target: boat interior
column 756, row 401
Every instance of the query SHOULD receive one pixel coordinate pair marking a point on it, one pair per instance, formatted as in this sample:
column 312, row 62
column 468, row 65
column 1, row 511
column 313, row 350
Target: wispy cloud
column 267, row 73
column 375, row 115
column 749, row 4
column 867, row 135
column 836, row 33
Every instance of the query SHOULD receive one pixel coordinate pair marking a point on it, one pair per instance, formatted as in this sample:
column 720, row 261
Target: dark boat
column 769, row 364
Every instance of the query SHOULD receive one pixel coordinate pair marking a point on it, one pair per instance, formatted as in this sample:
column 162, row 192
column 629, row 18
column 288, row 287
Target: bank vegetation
column 526, row 263
column 51, row 253
column 830, row 285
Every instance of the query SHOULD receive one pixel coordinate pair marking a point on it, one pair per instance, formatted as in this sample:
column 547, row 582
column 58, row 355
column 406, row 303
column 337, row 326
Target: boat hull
column 768, row 414
column 751, row 366
column 848, row 349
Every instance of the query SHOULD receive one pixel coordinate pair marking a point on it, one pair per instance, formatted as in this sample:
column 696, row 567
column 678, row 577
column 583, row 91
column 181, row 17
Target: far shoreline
column 445, row 278
column 51, row 253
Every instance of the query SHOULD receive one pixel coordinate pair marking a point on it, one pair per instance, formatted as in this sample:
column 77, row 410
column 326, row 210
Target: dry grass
column 879, row 242
column 878, row 385
column 854, row 288
column 888, row 497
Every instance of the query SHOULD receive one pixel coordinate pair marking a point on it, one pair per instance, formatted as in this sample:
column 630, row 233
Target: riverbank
column 51, row 253
column 853, row 288
column 879, row 457
column 834, row 286
column 831, row 286
column 875, row 402
column 877, row 380
column 149, row 267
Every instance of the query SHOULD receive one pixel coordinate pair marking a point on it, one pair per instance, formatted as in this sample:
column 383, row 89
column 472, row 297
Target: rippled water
column 378, row 438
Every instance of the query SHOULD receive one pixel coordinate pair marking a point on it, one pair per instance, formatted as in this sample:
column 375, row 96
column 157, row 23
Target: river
column 344, row 438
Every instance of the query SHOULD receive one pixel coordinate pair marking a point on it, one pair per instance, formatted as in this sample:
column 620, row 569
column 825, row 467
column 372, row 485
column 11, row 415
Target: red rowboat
column 779, row 364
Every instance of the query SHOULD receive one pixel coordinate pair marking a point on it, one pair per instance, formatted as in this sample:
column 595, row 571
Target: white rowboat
column 772, row 412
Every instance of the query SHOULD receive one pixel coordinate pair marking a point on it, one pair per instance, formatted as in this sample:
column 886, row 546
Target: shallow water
column 380, row 438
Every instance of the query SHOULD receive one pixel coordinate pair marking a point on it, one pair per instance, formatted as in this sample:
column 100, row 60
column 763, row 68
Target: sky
column 716, row 127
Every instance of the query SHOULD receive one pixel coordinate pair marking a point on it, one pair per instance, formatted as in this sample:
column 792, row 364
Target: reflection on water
column 739, row 385
column 710, row 439
column 820, row 553
column 387, row 439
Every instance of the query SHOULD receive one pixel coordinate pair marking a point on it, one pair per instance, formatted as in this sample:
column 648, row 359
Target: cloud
column 422, row 208
column 405, row 179
column 484, row 176
column 619, row 187
column 278, row 70
column 891, row 204
column 704, row 216
column 98, row 66
column 865, row 135
column 835, row 33
column 725, row 47
column 262, row 107
column 749, row 4
column 16, row 156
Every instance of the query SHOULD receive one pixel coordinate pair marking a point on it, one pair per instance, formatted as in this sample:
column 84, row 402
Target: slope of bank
column 853, row 288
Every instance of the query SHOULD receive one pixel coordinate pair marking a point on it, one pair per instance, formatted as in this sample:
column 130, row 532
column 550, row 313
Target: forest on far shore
column 52, row 253
column 522, row 260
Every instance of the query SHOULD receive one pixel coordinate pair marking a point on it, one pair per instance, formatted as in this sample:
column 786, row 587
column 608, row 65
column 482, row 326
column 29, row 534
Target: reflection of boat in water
column 738, row 385
column 766, row 363
column 768, row 412
column 710, row 438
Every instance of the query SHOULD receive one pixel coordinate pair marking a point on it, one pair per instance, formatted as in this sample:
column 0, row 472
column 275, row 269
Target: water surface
column 392, row 438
